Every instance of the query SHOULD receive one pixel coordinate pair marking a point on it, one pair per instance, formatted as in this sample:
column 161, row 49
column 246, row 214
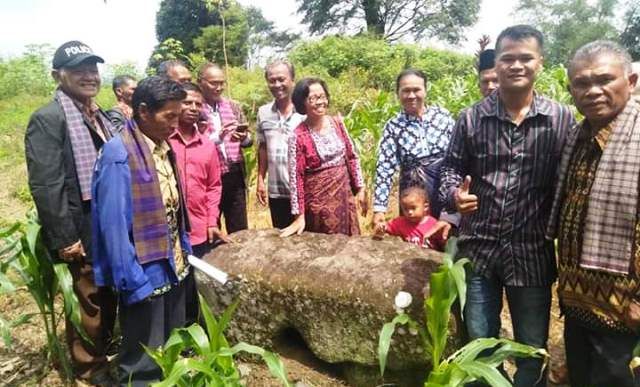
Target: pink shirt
column 414, row 233
column 199, row 168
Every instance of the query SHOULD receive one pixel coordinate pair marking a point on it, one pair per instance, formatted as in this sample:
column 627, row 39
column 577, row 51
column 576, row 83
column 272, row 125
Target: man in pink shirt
column 199, row 167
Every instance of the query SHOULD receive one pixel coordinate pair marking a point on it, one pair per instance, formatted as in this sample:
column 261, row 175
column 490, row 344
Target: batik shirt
column 405, row 140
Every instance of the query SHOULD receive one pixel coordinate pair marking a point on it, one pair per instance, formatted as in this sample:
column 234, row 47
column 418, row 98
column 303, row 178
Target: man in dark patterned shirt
column 596, row 218
column 499, row 173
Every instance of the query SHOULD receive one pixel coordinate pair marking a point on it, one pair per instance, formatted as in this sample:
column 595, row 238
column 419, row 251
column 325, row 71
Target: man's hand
column 296, row 227
column 261, row 191
column 466, row 202
column 239, row 136
column 632, row 315
column 214, row 233
column 72, row 253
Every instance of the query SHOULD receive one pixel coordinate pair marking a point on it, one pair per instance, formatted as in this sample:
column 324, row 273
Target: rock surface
column 335, row 291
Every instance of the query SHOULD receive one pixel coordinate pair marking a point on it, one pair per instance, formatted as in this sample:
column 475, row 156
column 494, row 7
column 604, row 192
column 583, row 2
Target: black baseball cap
column 72, row 54
column 487, row 60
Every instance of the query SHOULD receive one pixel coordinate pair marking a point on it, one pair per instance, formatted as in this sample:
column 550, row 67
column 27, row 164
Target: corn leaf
column 71, row 303
column 385, row 338
column 275, row 365
column 482, row 371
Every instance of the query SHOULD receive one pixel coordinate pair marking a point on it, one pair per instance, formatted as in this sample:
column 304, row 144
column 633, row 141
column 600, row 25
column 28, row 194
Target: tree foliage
column 182, row 20
column 192, row 30
column 392, row 19
column 569, row 24
column 630, row 37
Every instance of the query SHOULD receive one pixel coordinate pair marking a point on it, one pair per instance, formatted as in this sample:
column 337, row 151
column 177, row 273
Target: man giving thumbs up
column 499, row 172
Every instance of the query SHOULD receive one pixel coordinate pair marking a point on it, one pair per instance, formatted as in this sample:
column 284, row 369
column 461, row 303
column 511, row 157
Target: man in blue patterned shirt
column 415, row 141
column 499, row 173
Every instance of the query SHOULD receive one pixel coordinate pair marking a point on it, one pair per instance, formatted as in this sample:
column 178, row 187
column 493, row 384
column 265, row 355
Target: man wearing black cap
column 488, row 78
column 61, row 145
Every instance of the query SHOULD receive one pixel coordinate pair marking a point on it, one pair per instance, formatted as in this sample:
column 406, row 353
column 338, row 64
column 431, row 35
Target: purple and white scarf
column 84, row 150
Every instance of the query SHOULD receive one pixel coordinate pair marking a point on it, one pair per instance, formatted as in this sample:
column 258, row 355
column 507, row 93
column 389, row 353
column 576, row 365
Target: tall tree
column 183, row 19
column 192, row 30
column 630, row 36
column 392, row 19
column 568, row 24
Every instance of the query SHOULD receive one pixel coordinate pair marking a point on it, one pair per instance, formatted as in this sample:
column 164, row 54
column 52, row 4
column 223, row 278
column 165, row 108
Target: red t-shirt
column 414, row 233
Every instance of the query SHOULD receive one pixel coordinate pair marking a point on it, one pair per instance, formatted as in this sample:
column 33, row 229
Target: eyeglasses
column 317, row 98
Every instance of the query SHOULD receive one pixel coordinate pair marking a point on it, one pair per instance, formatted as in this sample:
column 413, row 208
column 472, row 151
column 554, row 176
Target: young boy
column 416, row 223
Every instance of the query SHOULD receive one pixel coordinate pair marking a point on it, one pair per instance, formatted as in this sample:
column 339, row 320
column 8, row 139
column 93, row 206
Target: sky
column 124, row 30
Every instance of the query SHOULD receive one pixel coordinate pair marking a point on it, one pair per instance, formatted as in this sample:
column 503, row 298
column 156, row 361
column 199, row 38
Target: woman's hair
column 407, row 72
column 301, row 92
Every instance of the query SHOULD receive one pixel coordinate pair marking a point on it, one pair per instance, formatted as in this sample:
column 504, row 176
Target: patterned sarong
column 330, row 204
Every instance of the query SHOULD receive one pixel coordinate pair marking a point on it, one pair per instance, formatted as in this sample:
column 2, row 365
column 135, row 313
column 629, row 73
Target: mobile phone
column 241, row 128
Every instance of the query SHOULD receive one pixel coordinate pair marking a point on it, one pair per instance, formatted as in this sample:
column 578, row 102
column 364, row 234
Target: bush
column 27, row 74
column 380, row 61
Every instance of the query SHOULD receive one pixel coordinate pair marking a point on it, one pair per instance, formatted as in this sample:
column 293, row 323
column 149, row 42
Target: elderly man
column 596, row 220
column 276, row 122
column 229, row 130
column 62, row 142
column 175, row 69
column 499, row 173
column 123, row 88
column 140, row 228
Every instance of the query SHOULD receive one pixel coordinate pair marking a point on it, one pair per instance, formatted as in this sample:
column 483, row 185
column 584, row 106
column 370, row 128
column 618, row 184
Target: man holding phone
column 229, row 129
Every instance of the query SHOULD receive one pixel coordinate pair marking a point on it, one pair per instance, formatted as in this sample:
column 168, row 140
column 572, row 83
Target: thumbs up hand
column 466, row 202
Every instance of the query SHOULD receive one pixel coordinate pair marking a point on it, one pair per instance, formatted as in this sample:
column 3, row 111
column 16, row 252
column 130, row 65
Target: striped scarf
column 84, row 150
column 608, row 241
column 150, row 228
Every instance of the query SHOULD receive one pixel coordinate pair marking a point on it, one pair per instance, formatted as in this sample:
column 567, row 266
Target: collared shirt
column 597, row 299
column 274, row 130
column 218, row 115
column 115, row 262
column 170, row 194
column 197, row 160
column 90, row 112
column 405, row 140
column 513, row 170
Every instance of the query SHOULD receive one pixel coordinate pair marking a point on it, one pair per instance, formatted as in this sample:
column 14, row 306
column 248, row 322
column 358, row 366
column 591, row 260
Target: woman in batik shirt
column 414, row 141
column 324, row 170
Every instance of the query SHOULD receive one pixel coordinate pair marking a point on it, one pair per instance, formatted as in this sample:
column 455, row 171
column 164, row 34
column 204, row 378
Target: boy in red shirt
column 416, row 225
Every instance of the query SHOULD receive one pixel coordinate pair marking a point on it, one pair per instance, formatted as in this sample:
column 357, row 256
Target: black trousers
column 149, row 322
column 280, row 209
column 233, row 203
column 597, row 358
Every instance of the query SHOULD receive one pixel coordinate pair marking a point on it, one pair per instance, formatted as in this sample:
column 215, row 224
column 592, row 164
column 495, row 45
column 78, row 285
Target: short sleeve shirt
column 274, row 130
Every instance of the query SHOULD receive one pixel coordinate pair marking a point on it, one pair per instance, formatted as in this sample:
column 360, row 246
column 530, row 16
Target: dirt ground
column 24, row 364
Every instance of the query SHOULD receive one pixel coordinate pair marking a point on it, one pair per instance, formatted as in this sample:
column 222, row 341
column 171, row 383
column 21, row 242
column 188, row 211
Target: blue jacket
column 114, row 257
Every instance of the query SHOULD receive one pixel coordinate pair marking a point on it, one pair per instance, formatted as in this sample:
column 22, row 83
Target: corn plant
column 213, row 363
column 471, row 362
column 24, row 253
column 365, row 123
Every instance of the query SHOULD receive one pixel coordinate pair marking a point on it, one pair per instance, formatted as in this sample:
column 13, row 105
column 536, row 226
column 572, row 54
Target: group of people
column 126, row 196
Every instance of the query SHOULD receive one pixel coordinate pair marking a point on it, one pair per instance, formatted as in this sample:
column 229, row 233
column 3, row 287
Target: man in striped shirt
column 499, row 173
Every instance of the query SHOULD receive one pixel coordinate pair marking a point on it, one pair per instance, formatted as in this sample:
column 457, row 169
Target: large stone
column 335, row 291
